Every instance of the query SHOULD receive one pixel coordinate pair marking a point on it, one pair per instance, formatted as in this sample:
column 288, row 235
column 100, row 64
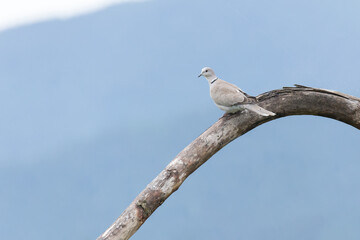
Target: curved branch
column 299, row 100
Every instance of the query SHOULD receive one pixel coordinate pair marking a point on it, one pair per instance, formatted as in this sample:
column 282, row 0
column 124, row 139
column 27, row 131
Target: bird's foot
column 227, row 115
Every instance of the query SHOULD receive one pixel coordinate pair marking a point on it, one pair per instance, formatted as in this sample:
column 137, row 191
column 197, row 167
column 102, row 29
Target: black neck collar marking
column 213, row 81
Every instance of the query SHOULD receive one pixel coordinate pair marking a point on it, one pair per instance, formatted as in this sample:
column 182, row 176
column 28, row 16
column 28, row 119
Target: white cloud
column 18, row 12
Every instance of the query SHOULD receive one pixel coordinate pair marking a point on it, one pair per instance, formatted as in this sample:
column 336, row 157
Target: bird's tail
column 258, row 110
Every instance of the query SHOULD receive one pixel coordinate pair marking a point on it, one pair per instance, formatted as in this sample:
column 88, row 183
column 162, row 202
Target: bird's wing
column 227, row 94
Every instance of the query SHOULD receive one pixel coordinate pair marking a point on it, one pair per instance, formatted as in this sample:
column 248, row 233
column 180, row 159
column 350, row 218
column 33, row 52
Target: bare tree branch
column 288, row 101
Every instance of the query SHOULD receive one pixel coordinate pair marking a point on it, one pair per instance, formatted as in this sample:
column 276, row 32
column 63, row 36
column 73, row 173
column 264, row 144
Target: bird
column 229, row 97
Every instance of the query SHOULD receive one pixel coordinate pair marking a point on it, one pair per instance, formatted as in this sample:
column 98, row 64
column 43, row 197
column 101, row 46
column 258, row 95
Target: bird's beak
column 200, row 75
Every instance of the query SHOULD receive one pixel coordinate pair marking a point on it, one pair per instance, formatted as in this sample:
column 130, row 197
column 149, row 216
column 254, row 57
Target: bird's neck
column 212, row 79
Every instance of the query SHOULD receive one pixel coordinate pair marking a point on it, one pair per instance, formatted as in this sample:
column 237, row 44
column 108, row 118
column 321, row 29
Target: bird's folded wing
column 227, row 94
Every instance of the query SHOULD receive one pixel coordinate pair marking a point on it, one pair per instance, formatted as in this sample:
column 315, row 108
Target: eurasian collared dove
column 229, row 97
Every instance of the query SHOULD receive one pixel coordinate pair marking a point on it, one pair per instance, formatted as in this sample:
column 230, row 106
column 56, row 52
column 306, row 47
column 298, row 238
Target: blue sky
column 95, row 106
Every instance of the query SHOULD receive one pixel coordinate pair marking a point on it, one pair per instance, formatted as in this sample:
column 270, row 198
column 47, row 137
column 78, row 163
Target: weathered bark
column 288, row 101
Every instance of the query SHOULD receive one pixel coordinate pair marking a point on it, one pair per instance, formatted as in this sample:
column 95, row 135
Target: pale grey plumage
column 229, row 97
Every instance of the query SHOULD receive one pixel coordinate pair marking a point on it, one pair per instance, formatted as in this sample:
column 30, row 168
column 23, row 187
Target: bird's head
column 207, row 72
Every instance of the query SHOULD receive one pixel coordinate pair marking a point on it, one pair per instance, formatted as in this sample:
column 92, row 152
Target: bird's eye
column 206, row 70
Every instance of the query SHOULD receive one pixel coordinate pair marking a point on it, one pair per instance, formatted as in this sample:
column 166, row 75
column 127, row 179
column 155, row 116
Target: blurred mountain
column 94, row 107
